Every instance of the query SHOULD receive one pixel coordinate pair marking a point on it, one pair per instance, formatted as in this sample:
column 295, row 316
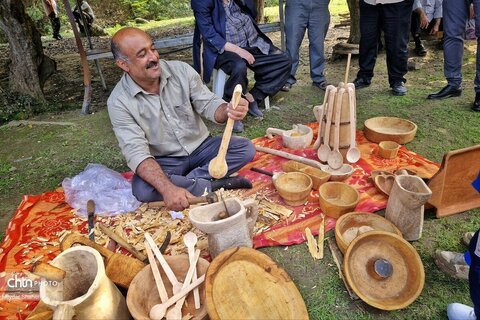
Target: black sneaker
column 320, row 85
column 360, row 83
column 420, row 50
column 399, row 89
column 286, row 87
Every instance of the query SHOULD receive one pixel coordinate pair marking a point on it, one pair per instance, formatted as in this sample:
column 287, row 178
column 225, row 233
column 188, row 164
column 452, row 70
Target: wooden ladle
column 324, row 150
column 321, row 111
column 176, row 285
column 175, row 312
column 190, row 240
column 218, row 167
column 158, row 311
column 335, row 159
column 353, row 154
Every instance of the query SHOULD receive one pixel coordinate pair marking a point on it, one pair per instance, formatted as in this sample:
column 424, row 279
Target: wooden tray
column 452, row 190
column 243, row 283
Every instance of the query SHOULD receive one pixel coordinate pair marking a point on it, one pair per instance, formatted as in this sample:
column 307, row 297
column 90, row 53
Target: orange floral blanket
column 40, row 217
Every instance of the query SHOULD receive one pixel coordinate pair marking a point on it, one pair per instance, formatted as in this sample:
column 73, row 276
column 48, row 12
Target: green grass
column 57, row 152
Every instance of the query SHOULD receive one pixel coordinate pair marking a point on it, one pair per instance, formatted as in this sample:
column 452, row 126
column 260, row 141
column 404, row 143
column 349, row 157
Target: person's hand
column 244, row 54
column 472, row 12
column 434, row 30
column 423, row 21
column 239, row 112
column 175, row 198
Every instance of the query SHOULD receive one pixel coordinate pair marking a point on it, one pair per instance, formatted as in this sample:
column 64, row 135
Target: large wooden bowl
column 353, row 224
column 243, row 283
column 337, row 198
column 390, row 129
column 293, row 187
column 384, row 270
column 143, row 294
column 318, row 176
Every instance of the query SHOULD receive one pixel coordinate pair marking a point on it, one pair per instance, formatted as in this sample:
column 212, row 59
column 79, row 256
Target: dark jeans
column 474, row 273
column 191, row 172
column 415, row 29
column 270, row 72
column 55, row 21
column 88, row 21
column 394, row 20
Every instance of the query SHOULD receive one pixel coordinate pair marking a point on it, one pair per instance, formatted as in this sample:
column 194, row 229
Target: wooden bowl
column 337, row 198
column 243, row 283
column 143, row 294
column 318, row 176
column 388, row 149
column 353, row 224
column 384, row 183
column 293, row 187
column 390, row 129
column 384, row 270
column 341, row 174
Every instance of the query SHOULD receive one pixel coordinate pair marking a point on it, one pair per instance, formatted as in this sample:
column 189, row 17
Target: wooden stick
column 337, row 257
column 290, row 156
column 321, row 236
column 348, row 68
column 48, row 271
column 121, row 241
column 156, row 274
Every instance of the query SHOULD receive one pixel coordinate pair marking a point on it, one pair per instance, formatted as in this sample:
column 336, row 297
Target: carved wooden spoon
column 218, row 167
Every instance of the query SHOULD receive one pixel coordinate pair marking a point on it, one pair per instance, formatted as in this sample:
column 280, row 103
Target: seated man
column 233, row 42
column 87, row 15
column 426, row 14
column 155, row 111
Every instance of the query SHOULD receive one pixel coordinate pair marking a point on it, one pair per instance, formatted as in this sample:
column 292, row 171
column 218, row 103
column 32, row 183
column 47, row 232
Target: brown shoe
column 452, row 263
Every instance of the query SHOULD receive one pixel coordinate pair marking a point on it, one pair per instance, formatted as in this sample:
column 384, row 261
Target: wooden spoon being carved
column 218, row 167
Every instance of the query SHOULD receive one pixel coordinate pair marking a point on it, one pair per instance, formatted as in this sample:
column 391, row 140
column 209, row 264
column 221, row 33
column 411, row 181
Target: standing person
column 156, row 111
column 393, row 18
column 455, row 16
column 51, row 10
column 458, row 311
column 300, row 15
column 87, row 14
column 233, row 42
column 426, row 14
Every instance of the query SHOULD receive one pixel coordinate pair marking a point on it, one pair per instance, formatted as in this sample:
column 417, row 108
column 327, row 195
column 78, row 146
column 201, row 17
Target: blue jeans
column 474, row 273
column 191, row 172
column 455, row 16
column 394, row 20
column 300, row 15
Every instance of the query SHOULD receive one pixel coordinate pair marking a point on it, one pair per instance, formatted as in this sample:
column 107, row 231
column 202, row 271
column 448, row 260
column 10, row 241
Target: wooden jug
column 86, row 292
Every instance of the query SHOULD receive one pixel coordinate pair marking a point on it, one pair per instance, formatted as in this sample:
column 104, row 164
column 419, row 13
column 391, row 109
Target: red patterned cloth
column 32, row 231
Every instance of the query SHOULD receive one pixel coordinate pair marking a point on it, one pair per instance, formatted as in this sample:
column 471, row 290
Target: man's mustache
column 152, row 64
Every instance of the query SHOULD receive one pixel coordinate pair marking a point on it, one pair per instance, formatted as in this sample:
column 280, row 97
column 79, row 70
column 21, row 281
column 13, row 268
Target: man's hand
column 239, row 112
column 423, row 21
column 434, row 30
column 175, row 198
column 246, row 55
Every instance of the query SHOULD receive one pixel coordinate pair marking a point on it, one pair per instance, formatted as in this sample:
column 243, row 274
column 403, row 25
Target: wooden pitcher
column 86, row 292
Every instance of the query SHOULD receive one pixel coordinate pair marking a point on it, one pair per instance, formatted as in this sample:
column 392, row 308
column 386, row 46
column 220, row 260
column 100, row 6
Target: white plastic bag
column 110, row 191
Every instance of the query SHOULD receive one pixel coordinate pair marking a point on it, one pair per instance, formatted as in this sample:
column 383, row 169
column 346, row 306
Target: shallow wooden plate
column 243, row 283
column 390, row 128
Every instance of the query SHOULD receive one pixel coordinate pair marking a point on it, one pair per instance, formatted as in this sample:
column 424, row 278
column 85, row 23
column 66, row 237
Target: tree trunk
column 29, row 68
column 353, row 7
column 260, row 6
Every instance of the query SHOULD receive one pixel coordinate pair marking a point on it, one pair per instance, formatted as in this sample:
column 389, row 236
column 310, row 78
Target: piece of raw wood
column 218, row 166
column 156, row 274
column 236, row 286
column 118, row 267
column 277, row 208
column 337, row 257
column 321, row 236
column 290, row 156
column 121, row 241
column 41, row 312
column 348, row 67
column 48, row 271
column 452, row 190
column 312, row 244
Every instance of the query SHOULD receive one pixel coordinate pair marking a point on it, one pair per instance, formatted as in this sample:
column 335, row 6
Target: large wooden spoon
column 335, row 159
column 324, row 150
column 353, row 154
column 321, row 112
column 175, row 313
column 218, row 167
column 190, row 240
column 176, row 285
column 156, row 274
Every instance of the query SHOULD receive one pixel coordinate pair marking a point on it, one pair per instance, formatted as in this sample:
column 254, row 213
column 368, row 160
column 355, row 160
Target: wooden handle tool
column 121, row 241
